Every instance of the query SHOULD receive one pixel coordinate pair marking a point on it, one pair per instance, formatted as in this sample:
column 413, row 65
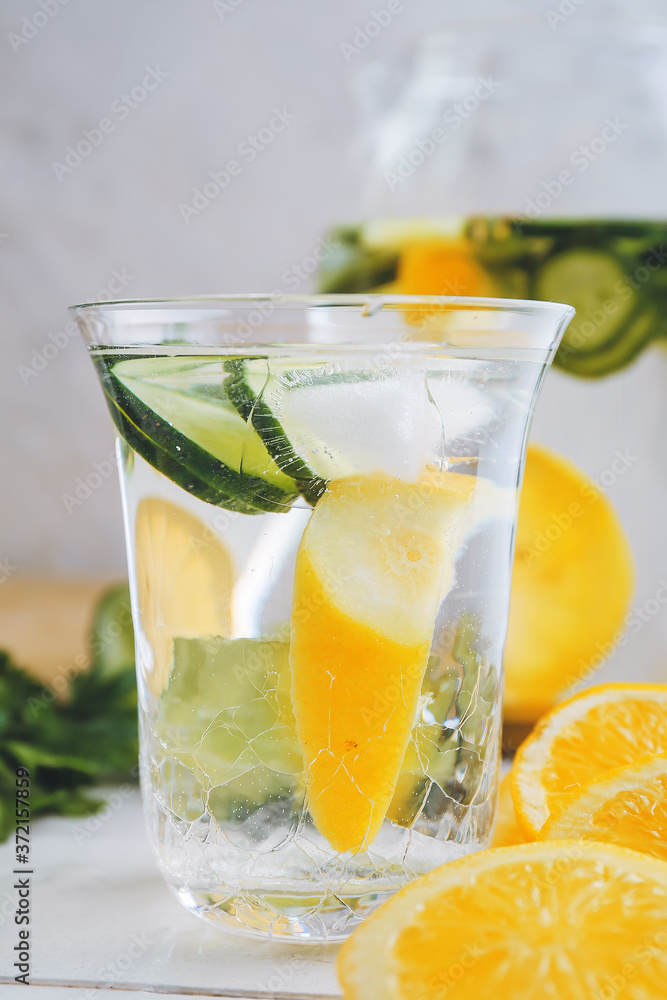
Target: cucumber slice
column 594, row 283
column 172, row 466
column 260, row 392
column 619, row 352
column 226, row 716
column 256, row 393
column 174, row 412
column 318, row 425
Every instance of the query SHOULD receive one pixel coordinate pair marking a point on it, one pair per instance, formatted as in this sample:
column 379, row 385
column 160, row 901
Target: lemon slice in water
column 184, row 581
column 375, row 561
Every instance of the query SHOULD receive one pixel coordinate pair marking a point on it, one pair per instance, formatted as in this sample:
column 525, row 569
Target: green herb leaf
column 70, row 746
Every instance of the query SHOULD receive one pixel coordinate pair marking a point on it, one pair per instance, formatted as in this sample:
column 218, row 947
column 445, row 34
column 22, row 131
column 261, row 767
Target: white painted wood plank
column 101, row 915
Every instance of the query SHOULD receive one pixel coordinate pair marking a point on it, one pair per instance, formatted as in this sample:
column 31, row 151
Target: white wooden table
column 105, row 926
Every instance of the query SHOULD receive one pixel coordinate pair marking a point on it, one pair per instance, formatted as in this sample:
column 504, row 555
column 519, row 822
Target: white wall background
column 118, row 211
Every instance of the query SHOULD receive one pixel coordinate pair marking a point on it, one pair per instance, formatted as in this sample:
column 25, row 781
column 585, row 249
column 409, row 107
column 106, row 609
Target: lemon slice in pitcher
column 373, row 565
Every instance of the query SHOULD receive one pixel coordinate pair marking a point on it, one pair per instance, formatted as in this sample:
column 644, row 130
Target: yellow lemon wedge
column 559, row 919
column 572, row 585
column 627, row 806
column 184, row 582
column 374, row 562
column 580, row 741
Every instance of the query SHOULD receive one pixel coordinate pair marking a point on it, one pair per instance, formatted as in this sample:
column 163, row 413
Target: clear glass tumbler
column 320, row 497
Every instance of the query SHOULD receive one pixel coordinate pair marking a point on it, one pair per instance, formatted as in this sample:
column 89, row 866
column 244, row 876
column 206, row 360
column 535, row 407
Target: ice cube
column 365, row 425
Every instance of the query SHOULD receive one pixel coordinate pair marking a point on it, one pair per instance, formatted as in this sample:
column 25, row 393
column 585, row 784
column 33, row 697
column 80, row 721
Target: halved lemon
column 628, row 806
column 374, row 562
column 564, row 920
column 572, row 585
column 184, row 582
column 580, row 740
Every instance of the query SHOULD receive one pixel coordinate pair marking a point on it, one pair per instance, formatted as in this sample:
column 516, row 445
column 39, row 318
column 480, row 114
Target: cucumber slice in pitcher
column 594, row 283
column 629, row 342
column 174, row 413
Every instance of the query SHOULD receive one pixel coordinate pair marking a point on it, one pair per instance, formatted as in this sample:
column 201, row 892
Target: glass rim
column 341, row 300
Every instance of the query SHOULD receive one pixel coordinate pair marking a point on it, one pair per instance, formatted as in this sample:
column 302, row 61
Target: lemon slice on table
column 184, row 581
column 561, row 919
column 506, row 830
column 572, row 585
column 374, row 562
column 581, row 740
column 627, row 806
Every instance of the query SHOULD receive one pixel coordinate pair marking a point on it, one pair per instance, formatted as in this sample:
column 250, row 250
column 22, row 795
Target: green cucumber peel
column 256, row 412
column 186, row 464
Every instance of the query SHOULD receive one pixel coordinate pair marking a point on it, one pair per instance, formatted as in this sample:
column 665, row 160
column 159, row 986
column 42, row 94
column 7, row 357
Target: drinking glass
column 319, row 497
